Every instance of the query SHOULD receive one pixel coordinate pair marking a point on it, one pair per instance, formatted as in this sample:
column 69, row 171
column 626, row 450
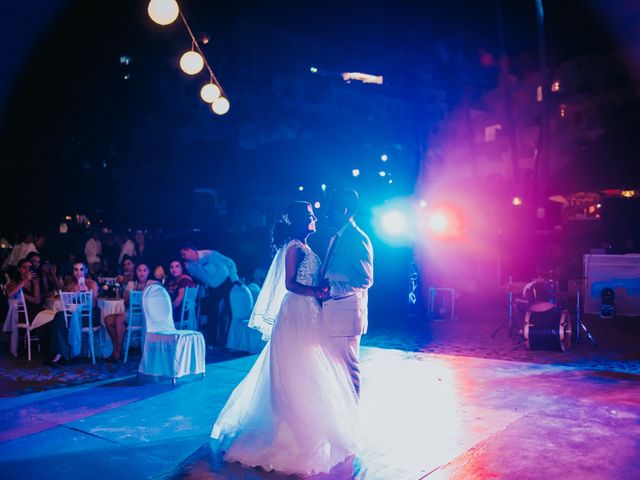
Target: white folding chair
column 188, row 317
column 23, row 322
column 135, row 321
column 241, row 336
column 80, row 304
column 168, row 352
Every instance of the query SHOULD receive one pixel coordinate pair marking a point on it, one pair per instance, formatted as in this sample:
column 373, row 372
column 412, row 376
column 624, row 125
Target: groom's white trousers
column 347, row 350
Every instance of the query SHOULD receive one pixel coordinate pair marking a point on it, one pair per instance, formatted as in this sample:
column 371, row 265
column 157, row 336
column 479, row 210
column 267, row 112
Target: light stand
column 579, row 324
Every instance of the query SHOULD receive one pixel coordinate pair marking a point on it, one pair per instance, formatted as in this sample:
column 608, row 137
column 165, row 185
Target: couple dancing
column 296, row 410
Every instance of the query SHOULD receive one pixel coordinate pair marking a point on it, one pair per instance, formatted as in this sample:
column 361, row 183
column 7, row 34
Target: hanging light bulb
column 210, row 92
column 163, row 12
column 220, row 106
column 191, row 63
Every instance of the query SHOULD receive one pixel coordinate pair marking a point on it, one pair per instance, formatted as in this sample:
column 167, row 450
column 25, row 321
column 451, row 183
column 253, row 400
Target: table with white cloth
column 110, row 306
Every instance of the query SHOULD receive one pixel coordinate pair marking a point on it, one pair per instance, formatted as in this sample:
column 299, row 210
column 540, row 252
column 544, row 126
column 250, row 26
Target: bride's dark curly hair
column 289, row 224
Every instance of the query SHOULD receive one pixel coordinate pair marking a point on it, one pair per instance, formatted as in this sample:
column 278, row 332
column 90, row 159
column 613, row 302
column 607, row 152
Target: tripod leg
column 589, row 336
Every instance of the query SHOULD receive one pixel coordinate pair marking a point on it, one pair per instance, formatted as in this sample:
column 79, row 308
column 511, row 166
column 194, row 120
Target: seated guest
column 128, row 271
column 160, row 275
column 60, row 333
column 49, row 282
column 115, row 324
column 176, row 287
column 26, row 280
column 128, row 248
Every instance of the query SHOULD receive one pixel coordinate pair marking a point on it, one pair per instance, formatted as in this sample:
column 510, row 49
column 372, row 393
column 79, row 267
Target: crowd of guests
column 124, row 267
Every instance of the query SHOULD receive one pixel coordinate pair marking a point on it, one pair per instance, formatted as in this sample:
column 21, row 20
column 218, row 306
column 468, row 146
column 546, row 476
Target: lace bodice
column 309, row 269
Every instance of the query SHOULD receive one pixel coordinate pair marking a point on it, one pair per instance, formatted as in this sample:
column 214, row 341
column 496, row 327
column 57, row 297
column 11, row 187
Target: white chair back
column 156, row 304
column 79, row 306
column 23, row 313
column 188, row 317
column 255, row 291
column 78, row 301
column 135, row 321
column 241, row 302
column 136, row 314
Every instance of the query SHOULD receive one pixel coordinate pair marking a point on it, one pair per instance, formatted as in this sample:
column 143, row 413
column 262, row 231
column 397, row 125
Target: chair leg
column 28, row 336
column 91, row 348
column 127, row 340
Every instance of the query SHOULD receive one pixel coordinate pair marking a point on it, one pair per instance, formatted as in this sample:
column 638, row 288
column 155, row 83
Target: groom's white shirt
column 349, row 270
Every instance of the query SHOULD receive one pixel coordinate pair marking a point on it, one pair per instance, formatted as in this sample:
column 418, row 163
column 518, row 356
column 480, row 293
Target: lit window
column 491, row 132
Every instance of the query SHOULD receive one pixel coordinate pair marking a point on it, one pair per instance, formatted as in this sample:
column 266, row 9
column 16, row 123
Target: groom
column 348, row 272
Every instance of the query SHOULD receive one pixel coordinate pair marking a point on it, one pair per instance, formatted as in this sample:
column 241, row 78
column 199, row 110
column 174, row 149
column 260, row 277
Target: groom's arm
column 358, row 274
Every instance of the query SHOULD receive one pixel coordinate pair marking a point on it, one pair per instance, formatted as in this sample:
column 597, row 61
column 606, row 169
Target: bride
column 296, row 410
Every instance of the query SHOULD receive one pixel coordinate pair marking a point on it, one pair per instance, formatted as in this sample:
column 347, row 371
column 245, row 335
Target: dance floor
column 424, row 416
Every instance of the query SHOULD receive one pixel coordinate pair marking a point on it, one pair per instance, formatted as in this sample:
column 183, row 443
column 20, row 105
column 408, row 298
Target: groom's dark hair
column 346, row 198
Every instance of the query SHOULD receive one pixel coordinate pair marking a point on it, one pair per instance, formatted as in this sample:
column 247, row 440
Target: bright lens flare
column 395, row 222
column 438, row 222
column 163, row 12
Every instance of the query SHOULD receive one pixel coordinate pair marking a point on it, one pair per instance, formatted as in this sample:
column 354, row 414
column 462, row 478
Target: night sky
column 78, row 135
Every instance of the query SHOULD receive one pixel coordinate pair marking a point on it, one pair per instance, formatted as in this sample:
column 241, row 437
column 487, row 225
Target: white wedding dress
column 296, row 410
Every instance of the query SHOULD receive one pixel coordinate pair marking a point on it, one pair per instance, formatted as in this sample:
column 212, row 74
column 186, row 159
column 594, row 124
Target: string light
column 165, row 12
column 210, row 92
column 220, row 106
column 191, row 63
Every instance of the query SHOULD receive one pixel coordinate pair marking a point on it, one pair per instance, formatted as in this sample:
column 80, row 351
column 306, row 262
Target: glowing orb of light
column 516, row 201
column 210, row 92
column 220, row 106
column 394, row 222
column 191, row 63
column 438, row 222
column 163, row 12
column 316, row 205
column 355, row 172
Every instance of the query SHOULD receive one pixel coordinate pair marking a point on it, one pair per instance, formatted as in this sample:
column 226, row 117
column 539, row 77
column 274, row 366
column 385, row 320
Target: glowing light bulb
column 191, row 63
column 384, row 157
column 323, row 187
column 220, row 106
column 210, row 92
column 355, row 172
column 163, row 12
column 382, row 173
column 316, row 205
column 300, row 188
column 517, row 201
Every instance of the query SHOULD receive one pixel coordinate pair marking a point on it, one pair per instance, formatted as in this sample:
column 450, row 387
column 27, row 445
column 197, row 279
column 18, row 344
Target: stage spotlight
column 443, row 222
column 438, row 222
column 395, row 222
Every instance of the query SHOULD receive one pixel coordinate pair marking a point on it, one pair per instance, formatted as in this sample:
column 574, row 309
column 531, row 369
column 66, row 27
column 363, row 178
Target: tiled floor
column 424, row 415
